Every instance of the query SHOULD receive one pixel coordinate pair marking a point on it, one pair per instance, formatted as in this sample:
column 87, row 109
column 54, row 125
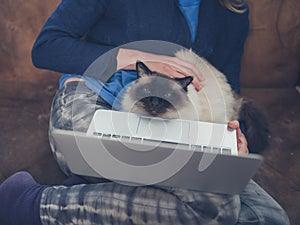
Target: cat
column 156, row 94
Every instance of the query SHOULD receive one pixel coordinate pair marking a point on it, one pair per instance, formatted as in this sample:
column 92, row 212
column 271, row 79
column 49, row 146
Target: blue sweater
column 80, row 31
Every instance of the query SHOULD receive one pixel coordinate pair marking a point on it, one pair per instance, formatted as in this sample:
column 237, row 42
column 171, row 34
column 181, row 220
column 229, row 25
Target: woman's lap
column 72, row 109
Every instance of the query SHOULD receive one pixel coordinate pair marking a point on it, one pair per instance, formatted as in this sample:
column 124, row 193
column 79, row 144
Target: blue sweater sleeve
column 228, row 58
column 61, row 45
column 232, row 67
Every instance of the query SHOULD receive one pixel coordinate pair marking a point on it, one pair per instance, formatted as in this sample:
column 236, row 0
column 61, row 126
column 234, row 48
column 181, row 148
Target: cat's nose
column 153, row 113
column 153, row 110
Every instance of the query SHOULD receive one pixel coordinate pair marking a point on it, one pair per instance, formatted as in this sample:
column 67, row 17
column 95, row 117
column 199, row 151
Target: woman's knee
column 250, row 216
column 73, row 107
column 258, row 207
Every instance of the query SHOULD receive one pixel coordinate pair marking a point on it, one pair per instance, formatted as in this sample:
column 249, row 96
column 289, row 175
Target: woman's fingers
column 234, row 124
column 189, row 68
column 183, row 72
column 172, row 71
column 169, row 65
column 242, row 143
column 195, row 82
column 184, row 67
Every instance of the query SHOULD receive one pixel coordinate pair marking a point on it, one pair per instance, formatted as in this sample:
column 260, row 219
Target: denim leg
column 111, row 203
column 259, row 208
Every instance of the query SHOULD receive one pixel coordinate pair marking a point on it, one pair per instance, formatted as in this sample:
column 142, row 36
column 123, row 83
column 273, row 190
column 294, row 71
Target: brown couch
column 270, row 69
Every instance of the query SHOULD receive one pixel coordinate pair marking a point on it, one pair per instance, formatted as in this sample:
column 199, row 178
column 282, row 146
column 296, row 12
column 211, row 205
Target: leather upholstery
column 272, row 50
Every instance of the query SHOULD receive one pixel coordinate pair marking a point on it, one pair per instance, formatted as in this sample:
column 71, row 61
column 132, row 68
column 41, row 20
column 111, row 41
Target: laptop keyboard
column 204, row 148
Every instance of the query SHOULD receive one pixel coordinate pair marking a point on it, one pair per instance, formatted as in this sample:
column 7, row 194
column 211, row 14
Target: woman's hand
column 242, row 144
column 171, row 66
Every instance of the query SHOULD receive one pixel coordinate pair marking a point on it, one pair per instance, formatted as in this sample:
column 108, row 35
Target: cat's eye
column 168, row 95
column 147, row 91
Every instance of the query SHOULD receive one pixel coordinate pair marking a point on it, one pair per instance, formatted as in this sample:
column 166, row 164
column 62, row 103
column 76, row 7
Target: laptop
column 137, row 150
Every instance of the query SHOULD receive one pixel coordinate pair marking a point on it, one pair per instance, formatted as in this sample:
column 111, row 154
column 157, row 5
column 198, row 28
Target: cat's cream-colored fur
column 215, row 102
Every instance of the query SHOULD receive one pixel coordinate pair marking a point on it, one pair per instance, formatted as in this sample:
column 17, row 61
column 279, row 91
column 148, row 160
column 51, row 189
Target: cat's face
column 155, row 94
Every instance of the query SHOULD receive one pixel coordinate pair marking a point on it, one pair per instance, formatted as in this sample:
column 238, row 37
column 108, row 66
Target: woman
column 78, row 33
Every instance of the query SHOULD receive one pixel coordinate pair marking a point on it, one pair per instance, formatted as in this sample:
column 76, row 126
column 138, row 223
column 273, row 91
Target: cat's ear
column 184, row 82
column 142, row 70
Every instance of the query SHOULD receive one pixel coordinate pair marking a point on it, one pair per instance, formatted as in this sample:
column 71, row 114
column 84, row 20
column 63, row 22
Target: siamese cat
column 155, row 94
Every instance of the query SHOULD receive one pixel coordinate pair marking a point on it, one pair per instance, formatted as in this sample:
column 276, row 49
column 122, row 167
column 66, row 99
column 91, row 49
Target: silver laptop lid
column 164, row 165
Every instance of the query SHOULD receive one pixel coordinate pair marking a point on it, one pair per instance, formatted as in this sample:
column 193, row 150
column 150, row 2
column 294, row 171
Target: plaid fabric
column 72, row 109
column 112, row 203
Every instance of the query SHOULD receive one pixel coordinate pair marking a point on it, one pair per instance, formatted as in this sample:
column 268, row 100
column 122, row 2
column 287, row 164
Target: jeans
column 106, row 202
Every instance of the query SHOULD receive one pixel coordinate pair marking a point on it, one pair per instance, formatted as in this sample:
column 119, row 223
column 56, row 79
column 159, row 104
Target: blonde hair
column 234, row 5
